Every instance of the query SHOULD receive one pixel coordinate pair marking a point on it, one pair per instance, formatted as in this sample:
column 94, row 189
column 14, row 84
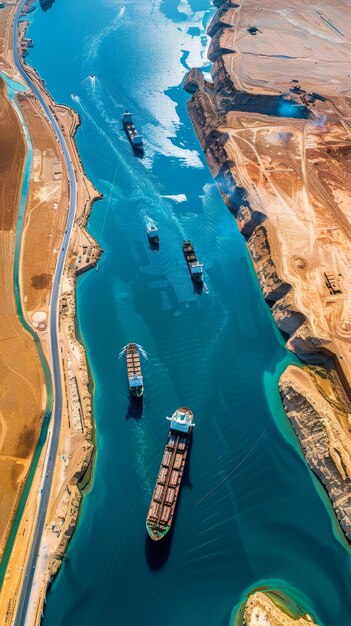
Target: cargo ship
column 135, row 379
column 152, row 233
column 135, row 140
column 195, row 268
column 164, row 499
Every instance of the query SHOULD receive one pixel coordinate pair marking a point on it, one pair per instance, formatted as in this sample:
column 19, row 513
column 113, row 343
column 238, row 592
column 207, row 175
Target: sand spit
column 275, row 128
column 44, row 226
column 260, row 610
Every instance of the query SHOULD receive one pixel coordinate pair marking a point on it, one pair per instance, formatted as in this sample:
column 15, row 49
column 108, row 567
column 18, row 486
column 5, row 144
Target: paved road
column 55, row 425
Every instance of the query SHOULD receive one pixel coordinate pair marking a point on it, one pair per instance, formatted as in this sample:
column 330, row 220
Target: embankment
column 316, row 398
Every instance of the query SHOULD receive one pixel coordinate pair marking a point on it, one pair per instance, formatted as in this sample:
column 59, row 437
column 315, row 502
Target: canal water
column 250, row 512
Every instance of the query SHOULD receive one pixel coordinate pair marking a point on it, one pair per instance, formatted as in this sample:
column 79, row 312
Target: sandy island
column 260, row 610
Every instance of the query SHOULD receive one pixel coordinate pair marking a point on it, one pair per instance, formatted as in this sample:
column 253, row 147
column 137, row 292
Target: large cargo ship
column 195, row 268
column 135, row 140
column 135, row 379
column 161, row 512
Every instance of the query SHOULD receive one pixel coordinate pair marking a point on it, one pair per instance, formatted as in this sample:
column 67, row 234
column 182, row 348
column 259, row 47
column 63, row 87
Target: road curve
column 56, row 418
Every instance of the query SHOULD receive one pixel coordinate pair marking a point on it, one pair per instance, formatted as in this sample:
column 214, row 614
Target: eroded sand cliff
column 274, row 124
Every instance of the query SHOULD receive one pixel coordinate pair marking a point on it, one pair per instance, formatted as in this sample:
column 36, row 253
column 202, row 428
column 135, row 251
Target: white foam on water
column 152, row 89
column 180, row 197
column 95, row 93
column 168, row 73
column 149, row 221
column 184, row 7
column 94, row 43
column 159, row 141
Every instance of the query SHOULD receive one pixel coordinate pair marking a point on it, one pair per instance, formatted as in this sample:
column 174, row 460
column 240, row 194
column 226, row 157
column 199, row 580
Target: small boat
column 135, row 379
column 195, row 268
column 152, row 233
column 164, row 499
column 135, row 140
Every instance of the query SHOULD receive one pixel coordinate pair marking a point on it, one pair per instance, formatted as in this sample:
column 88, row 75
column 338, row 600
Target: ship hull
column 191, row 259
column 155, row 241
column 135, row 379
column 136, row 393
column 197, row 279
column 168, row 484
column 158, row 537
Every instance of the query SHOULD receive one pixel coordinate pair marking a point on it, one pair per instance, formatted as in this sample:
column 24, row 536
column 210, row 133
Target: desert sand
column 22, row 391
column 43, row 229
column 275, row 125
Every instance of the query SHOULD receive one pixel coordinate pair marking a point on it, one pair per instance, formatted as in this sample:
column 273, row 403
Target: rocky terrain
column 274, row 124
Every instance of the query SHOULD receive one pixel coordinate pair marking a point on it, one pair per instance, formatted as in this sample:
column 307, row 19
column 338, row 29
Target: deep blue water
column 218, row 352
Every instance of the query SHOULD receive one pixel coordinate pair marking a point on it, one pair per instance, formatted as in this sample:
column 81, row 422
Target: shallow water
column 218, row 352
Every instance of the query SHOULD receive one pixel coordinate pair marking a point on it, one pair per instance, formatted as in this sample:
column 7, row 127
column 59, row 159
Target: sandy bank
column 286, row 181
column 48, row 193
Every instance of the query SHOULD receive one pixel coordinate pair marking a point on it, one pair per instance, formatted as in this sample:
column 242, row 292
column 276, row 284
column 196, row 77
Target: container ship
column 164, row 499
column 135, row 379
column 195, row 268
column 135, row 140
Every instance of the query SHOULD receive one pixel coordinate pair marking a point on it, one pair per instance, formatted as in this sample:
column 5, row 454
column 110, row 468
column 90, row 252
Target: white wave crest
column 180, row 197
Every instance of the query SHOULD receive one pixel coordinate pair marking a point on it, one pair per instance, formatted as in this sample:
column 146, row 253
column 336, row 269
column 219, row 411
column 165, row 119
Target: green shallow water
column 218, row 353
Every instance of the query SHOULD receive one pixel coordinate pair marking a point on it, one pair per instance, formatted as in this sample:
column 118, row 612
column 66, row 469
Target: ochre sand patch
column 6, row 16
column 46, row 211
column 22, row 392
column 309, row 42
column 260, row 610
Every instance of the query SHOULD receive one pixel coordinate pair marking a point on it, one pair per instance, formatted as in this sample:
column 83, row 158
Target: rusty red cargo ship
column 164, row 498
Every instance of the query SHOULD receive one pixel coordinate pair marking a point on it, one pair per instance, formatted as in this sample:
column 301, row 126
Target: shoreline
column 72, row 506
column 318, row 399
column 270, row 607
column 81, row 220
column 66, row 508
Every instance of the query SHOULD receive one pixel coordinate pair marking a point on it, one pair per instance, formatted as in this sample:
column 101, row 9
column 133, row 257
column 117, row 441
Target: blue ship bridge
column 135, row 381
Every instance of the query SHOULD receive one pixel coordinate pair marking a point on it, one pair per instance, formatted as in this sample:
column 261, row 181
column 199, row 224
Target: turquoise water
column 218, row 352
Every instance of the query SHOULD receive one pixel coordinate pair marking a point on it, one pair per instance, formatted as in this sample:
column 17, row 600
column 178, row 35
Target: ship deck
column 189, row 252
column 168, row 482
column 129, row 127
column 133, row 362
